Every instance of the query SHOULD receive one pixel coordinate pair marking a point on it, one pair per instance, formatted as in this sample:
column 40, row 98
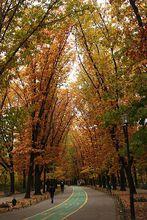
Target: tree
column 11, row 124
column 19, row 20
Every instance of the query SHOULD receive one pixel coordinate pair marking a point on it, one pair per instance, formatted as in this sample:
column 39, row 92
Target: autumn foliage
column 70, row 73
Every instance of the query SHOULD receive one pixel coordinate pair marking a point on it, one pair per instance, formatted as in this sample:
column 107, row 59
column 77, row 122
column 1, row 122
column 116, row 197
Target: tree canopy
column 69, row 72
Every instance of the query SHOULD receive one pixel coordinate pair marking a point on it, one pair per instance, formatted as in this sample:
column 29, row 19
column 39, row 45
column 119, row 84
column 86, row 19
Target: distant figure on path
column 52, row 192
column 51, row 189
column 62, row 186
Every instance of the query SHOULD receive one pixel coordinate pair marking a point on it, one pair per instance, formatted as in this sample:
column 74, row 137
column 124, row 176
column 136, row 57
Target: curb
column 24, row 203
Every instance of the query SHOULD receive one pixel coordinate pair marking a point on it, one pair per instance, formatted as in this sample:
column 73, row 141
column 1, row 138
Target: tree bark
column 122, row 175
column 93, row 181
column 24, row 179
column 12, row 175
column 129, row 176
column 100, row 180
column 12, row 182
column 136, row 12
column 104, row 181
column 135, row 176
column 37, row 180
column 130, row 179
column 44, row 179
column 113, row 181
column 30, row 176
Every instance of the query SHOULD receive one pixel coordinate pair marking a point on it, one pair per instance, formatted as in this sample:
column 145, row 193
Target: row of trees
column 42, row 115
column 36, row 110
column 110, row 43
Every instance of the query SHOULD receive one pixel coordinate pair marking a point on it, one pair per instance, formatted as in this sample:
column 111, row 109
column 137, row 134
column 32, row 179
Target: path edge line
column 52, row 207
column 64, row 218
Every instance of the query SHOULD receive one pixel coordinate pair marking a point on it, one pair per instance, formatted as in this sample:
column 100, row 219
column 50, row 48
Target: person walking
column 52, row 192
column 50, row 187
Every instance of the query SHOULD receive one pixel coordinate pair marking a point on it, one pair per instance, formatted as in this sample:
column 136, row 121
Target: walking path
column 21, row 195
column 22, row 213
column 100, row 206
column 76, row 203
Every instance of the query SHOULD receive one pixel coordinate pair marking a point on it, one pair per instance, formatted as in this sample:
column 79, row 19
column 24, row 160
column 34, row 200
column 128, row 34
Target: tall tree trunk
column 122, row 179
column 12, row 182
column 12, row 175
column 30, row 176
column 44, row 179
column 122, row 174
column 113, row 181
column 129, row 162
column 93, row 181
column 135, row 176
column 118, row 177
column 24, row 179
column 100, row 180
column 129, row 176
column 103, row 181
column 37, row 180
column 130, row 179
column 86, row 182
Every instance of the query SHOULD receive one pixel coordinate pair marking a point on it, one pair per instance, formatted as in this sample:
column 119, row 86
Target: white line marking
column 52, row 207
column 64, row 218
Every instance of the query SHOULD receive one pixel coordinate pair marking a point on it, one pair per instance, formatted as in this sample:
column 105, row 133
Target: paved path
column 100, row 206
column 23, row 213
column 77, row 203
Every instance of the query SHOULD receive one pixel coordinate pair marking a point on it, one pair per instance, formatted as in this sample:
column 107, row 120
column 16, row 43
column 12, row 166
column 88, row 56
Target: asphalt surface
column 76, row 203
column 100, row 206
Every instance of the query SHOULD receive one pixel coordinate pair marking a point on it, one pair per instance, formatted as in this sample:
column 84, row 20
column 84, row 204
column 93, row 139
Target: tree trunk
column 104, row 181
column 130, row 179
column 86, row 181
column 93, row 180
column 136, row 12
column 122, row 174
column 24, row 179
column 30, row 176
column 44, row 179
column 122, row 179
column 37, row 180
column 12, row 182
column 129, row 176
column 113, row 181
column 135, row 176
column 12, row 175
column 100, row 180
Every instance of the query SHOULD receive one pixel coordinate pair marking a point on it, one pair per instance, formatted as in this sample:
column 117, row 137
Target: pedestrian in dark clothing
column 52, row 192
column 51, row 189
